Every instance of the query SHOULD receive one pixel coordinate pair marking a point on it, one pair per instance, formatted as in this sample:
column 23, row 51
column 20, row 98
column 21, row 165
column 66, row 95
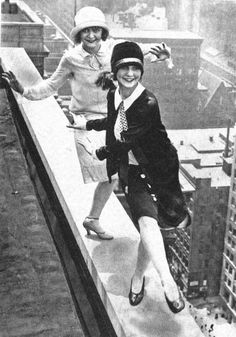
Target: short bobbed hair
column 77, row 38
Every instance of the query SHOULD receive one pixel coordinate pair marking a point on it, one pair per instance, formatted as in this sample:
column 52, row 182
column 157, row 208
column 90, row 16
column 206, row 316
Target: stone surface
column 35, row 297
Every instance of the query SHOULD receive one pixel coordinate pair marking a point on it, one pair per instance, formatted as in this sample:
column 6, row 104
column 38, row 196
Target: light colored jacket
column 82, row 70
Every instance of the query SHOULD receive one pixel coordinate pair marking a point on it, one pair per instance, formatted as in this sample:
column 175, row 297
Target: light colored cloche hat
column 88, row 17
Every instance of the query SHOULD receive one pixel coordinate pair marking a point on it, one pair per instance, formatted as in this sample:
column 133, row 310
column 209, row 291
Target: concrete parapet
column 110, row 264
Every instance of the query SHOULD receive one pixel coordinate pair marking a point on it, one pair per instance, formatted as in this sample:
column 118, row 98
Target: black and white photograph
column 118, row 168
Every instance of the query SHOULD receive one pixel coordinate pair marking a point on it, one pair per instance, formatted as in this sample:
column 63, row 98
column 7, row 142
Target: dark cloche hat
column 126, row 53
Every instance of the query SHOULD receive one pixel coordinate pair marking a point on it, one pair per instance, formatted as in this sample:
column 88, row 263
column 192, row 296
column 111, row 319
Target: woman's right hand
column 13, row 82
column 79, row 123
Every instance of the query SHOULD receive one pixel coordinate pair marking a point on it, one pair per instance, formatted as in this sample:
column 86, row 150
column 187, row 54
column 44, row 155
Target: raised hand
column 12, row 81
column 162, row 53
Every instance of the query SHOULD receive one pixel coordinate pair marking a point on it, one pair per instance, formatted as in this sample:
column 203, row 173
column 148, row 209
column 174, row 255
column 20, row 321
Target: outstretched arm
column 44, row 88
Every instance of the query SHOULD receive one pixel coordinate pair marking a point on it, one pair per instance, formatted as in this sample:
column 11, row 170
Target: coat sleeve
column 97, row 124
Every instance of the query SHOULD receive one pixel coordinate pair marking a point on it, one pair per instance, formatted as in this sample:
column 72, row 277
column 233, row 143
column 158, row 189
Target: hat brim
column 78, row 28
column 128, row 60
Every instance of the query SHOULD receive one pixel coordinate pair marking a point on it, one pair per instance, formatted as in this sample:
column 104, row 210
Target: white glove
column 80, row 123
column 94, row 154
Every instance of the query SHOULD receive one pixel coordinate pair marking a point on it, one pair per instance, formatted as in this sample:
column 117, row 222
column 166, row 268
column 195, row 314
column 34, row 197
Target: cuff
column 25, row 92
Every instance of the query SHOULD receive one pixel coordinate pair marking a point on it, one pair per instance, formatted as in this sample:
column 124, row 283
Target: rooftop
column 204, row 147
column 154, row 34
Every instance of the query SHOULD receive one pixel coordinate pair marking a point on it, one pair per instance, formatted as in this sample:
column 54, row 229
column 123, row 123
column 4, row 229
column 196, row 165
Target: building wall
column 22, row 29
column 202, row 271
column 228, row 280
column 220, row 109
column 60, row 11
column 217, row 25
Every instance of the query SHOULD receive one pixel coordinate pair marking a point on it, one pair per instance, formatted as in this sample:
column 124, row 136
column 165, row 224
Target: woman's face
column 128, row 76
column 91, row 38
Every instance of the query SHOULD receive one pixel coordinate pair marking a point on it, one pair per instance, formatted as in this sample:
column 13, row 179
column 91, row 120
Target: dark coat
column 157, row 157
column 146, row 135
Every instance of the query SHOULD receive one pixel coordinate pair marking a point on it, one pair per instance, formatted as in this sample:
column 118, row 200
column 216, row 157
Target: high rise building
column 228, row 280
column 196, row 255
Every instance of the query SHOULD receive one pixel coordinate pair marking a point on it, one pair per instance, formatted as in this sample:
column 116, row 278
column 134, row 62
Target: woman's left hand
column 161, row 51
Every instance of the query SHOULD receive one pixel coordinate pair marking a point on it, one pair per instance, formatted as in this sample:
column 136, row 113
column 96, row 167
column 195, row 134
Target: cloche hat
column 88, row 17
column 126, row 53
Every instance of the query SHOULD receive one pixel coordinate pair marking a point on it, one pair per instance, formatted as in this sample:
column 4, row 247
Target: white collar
column 129, row 100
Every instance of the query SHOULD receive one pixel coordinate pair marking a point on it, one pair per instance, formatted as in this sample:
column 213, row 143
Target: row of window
column 232, row 230
column 231, row 242
column 230, row 269
column 181, row 256
column 229, row 283
column 184, row 242
column 229, row 255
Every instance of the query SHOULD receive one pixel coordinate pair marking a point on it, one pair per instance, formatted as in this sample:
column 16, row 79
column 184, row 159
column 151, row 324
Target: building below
column 228, row 280
column 196, row 254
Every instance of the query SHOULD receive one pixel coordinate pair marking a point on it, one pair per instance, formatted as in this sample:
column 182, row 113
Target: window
column 229, row 283
column 226, row 296
column 233, row 202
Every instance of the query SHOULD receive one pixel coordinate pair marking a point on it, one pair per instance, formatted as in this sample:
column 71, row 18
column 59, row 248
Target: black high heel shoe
column 136, row 298
column 176, row 306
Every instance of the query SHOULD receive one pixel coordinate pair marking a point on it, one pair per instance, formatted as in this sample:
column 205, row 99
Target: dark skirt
column 155, row 191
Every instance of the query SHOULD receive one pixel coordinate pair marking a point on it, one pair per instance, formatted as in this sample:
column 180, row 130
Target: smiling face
column 128, row 77
column 91, row 39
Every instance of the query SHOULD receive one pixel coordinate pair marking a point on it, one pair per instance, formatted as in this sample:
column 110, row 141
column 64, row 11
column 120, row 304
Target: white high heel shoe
column 92, row 224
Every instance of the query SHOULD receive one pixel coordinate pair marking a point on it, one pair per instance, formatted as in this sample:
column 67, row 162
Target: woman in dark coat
column 138, row 148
